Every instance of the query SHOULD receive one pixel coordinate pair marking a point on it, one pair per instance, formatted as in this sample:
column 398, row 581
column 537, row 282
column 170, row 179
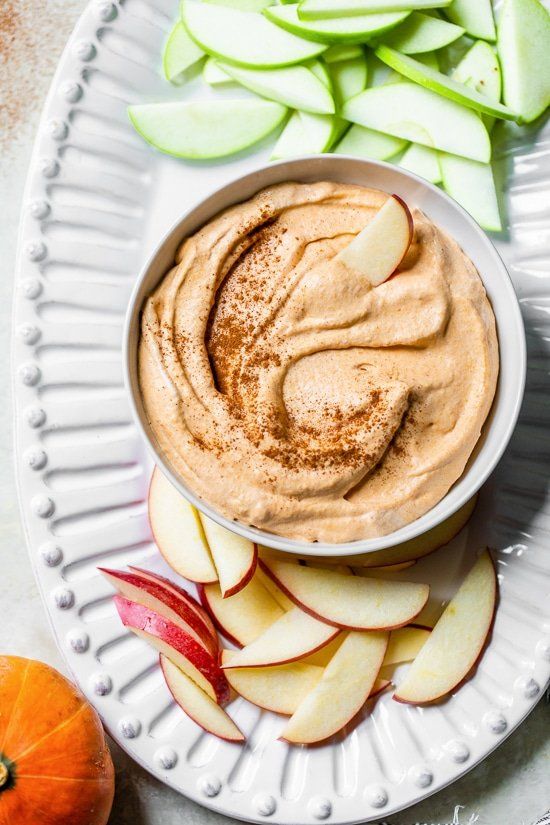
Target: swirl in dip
column 290, row 394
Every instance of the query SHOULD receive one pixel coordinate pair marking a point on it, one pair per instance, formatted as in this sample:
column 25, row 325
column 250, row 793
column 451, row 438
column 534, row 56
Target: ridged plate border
column 96, row 201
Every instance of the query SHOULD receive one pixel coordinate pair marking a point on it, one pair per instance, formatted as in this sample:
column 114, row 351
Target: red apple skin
column 475, row 662
column 402, row 203
column 297, row 658
column 315, row 615
column 134, row 615
column 159, row 548
column 179, row 592
column 164, row 597
column 201, row 590
column 190, row 715
column 246, row 578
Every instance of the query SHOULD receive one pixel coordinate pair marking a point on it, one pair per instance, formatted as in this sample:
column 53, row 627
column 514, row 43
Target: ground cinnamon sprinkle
column 240, row 354
column 32, row 36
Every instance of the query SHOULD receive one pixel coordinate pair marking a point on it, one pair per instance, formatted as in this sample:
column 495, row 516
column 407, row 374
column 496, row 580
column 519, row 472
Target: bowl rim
column 299, row 547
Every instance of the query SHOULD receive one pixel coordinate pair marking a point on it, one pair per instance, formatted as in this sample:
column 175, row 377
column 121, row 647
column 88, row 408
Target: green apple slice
column 244, row 38
column 337, row 30
column 366, row 143
column 378, row 74
column 341, row 51
column 306, row 134
column 242, row 5
column 180, row 53
column 414, row 113
column 349, row 77
column 524, row 51
column 321, row 72
column 443, row 85
column 475, row 16
column 292, row 139
column 293, row 86
column 473, row 186
column 429, row 59
column 321, row 9
column 422, row 161
column 205, row 129
column 422, row 33
column 213, row 75
column 322, row 130
column 480, row 70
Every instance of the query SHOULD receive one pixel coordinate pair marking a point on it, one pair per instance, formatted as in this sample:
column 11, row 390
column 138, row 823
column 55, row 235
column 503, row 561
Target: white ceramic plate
column 97, row 201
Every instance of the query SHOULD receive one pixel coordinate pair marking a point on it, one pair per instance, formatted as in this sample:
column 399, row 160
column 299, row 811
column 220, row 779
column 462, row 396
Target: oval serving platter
column 97, row 200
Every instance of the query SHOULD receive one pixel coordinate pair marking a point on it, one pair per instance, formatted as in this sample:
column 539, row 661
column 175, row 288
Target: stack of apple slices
column 314, row 641
column 417, row 82
column 209, row 552
column 325, row 653
column 174, row 623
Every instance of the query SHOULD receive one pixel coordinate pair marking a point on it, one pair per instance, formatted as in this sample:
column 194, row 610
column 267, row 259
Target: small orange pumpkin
column 55, row 766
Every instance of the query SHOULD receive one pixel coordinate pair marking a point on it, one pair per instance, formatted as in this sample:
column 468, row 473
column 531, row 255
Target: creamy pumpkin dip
column 292, row 396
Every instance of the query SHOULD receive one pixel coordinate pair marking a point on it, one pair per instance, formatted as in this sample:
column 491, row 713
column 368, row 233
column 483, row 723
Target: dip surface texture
column 292, row 396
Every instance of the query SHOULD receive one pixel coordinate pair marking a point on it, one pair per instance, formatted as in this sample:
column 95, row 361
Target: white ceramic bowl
column 443, row 211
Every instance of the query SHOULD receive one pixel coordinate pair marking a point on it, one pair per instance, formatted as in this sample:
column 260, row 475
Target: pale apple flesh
column 282, row 688
column 235, row 557
column 455, row 644
column 379, row 248
column 176, row 645
column 273, row 588
column 177, row 591
column 198, row 705
column 342, row 691
column 323, row 656
column 349, row 602
column 279, row 689
column 178, row 532
column 151, row 594
column 246, row 615
column 405, row 644
column 291, row 637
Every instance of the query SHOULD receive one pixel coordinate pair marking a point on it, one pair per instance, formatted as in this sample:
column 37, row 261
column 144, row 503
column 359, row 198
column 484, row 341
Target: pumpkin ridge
column 55, row 730
column 12, row 715
column 61, row 778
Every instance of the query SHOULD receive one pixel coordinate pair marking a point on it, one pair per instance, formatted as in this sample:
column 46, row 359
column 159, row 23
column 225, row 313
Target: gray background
column 512, row 787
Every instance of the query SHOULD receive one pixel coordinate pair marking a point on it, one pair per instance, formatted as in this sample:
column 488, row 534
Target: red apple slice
column 280, row 688
column 389, row 572
column 392, row 568
column 379, row 686
column 405, row 644
column 430, row 614
column 379, row 248
column 176, row 609
column 235, row 557
column 292, row 637
column 323, row 656
column 455, row 644
column 178, row 532
column 350, row 602
column 343, row 690
column 274, row 590
column 198, row 705
column 178, row 646
column 179, row 592
column 243, row 617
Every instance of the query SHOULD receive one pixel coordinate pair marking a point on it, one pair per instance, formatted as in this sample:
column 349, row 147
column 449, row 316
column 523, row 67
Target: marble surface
column 512, row 787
